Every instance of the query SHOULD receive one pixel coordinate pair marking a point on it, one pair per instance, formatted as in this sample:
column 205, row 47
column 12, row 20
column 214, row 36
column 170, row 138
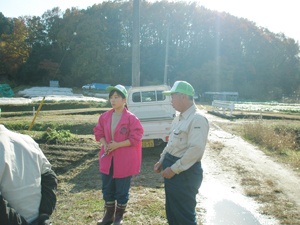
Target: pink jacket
column 127, row 160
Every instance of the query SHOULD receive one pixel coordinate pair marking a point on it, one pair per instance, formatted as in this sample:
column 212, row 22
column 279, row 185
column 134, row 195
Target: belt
column 171, row 157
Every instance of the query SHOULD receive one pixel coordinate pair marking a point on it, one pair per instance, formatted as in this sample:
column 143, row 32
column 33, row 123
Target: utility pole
column 136, row 44
column 166, row 58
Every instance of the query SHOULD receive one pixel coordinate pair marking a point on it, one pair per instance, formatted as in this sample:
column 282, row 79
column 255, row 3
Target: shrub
column 52, row 136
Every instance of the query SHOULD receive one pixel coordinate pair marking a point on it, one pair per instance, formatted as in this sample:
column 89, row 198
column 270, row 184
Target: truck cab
column 154, row 110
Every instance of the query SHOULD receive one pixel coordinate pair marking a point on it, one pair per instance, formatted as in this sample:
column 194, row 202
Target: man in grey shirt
column 180, row 161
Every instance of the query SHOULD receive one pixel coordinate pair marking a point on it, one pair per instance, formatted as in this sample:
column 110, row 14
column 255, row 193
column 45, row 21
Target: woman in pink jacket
column 120, row 133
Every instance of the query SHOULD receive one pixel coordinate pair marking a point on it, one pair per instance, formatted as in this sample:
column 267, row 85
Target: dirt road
column 244, row 186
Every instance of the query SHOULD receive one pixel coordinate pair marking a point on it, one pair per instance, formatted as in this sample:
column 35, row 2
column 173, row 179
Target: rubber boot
column 109, row 215
column 119, row 214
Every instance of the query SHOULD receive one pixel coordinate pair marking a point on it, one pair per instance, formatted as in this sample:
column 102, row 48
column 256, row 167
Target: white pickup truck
column 154, row 111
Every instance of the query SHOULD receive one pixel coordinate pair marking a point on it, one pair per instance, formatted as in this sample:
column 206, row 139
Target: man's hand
column 157, row 167
column 168, row 173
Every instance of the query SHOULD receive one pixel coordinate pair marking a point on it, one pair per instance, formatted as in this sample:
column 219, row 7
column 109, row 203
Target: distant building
column 54, row 83
column 223, row 96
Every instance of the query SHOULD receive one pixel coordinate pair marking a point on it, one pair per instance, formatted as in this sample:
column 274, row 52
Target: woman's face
column 116, row 101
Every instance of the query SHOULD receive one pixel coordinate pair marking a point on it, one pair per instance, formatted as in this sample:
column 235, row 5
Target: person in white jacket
column 27, row 182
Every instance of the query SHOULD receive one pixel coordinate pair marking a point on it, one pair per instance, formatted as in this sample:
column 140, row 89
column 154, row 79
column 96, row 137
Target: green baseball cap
column 118, row 87
column 181, row 87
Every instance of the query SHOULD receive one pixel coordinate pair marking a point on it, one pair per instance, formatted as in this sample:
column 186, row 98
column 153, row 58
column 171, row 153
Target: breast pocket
column 179, row 138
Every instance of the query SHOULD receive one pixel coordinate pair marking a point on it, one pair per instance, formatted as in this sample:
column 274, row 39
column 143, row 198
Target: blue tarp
column 100, row 86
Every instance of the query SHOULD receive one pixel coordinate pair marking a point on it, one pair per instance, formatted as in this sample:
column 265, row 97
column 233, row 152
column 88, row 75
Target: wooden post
column 37, row 112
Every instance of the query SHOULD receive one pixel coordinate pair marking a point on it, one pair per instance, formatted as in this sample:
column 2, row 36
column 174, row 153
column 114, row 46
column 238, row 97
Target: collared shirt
column 187, row 140
column 22, row 163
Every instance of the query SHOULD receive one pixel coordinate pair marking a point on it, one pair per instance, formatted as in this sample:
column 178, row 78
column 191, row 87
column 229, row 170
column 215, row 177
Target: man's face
column 177, row 101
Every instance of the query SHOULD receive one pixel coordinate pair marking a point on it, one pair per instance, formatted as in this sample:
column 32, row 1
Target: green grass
column 52, row 105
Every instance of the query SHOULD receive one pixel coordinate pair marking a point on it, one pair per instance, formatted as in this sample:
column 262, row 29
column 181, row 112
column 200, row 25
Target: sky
column 279, row 16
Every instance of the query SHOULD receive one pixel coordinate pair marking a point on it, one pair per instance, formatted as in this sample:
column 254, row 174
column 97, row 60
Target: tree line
column 214, row 51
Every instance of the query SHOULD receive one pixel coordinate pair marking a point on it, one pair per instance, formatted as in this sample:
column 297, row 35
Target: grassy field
column 65, row 135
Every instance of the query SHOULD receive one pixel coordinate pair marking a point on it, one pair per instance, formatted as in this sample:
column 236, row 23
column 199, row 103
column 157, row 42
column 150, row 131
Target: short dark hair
column 118, row 92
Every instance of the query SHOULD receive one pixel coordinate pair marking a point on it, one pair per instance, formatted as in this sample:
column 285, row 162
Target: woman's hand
column 112, row 146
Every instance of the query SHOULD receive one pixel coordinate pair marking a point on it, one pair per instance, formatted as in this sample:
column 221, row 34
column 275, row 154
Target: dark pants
column 8, row 215
column 181, row 191
column 115, row 188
